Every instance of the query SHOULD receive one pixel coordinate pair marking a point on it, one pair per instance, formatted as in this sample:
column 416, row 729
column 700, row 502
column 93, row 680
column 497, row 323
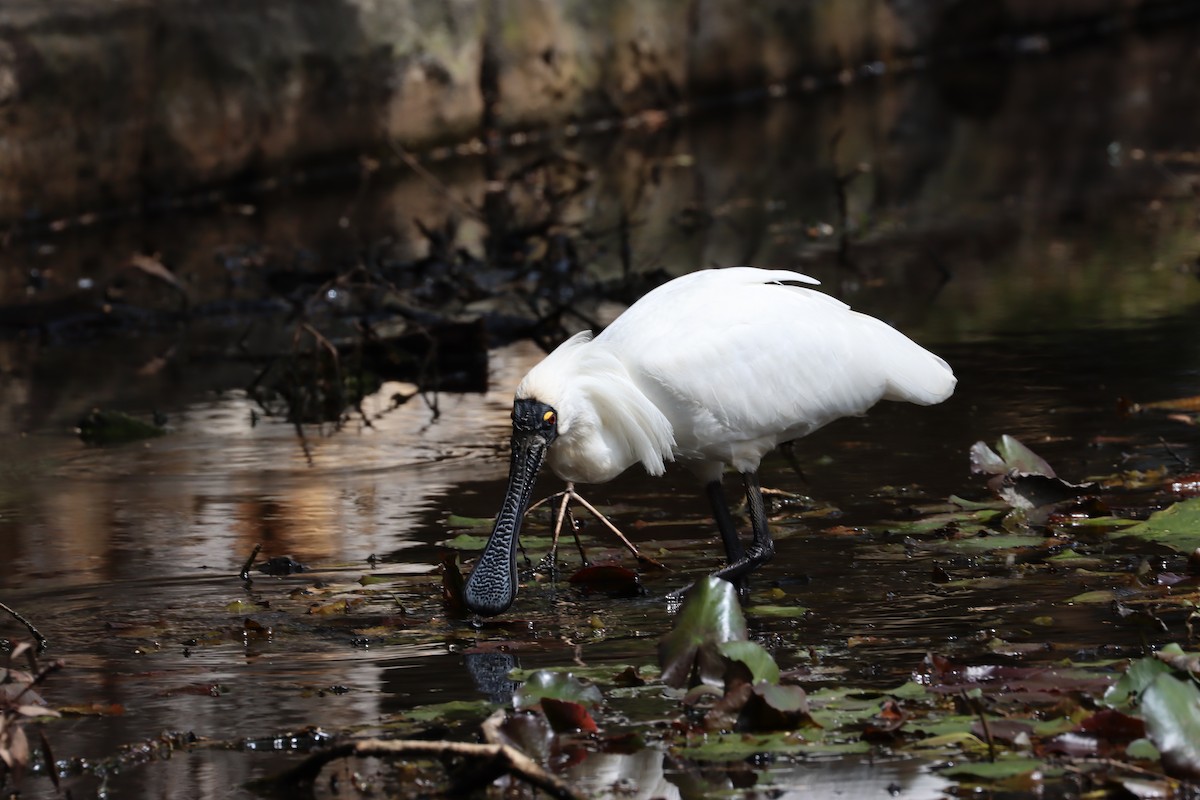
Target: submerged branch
column 490, row 761
column 42, row 641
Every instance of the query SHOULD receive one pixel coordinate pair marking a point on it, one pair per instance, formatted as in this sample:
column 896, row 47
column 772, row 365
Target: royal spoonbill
column 712, row 369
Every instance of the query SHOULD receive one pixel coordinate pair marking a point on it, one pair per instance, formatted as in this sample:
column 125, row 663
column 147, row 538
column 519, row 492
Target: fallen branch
column 491, row 762
column 41, row 640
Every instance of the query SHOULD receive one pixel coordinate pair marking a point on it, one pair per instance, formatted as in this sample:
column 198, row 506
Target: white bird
column 711, row 369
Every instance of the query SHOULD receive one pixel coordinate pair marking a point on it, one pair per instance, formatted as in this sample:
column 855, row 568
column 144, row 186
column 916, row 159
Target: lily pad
column 114, row 427
column 468, row 541
column 1010, row 456
column 557, row 686
column 710, row 615
column 1171, row 709
column 756, row 659
column 1178, row 527
column 994, row 770
column 785, row 612
column 735, row 747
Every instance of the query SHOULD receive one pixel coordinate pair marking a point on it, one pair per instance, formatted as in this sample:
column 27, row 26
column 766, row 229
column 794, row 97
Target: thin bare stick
column 250, row 562
column 41, row 640
column 603, row 519
column 543, row 501
column 494, row 759
column 434, row 181
column 1171, row 452
column 578, row 542
column 983, row 723
column 562, row 513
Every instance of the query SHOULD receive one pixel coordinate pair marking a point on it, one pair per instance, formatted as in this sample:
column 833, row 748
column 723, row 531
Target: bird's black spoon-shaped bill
column 492, row 586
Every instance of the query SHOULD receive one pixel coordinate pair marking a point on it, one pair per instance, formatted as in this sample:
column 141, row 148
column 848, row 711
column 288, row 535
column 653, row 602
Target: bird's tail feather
column 914, row 375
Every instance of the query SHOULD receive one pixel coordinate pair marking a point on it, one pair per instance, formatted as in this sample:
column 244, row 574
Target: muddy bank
column 111, row 107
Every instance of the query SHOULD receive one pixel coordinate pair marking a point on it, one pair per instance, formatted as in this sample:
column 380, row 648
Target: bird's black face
column 532, row 417
column 492, row 586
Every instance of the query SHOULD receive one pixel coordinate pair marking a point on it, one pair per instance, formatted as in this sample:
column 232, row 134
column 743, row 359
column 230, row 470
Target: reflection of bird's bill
column 492, row 586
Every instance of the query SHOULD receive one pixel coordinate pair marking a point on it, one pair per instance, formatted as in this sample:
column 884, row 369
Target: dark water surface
column 1060, row 213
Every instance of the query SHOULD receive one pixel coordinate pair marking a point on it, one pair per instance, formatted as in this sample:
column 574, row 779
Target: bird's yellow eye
column 548, row 417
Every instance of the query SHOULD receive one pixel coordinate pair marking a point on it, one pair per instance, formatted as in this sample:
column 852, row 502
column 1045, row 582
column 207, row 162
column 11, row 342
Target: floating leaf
column 529, row 732
column 994, row 770
column 451, row 710
column 114, row 427
column 710, row 615
column 783, row 698
column 784, row 612
column 738, row 747
column 1171, row 709
column 1141, row 673
column 565, row 716
column 564, row 700
column 93, row 710
column 757, row 660
column 469, row 541
column 1175, row 404
column 334, row 607
column 1010, row 456
column 967, row 522
column 1177, row 527
column 558, row 686
column 1175, row 656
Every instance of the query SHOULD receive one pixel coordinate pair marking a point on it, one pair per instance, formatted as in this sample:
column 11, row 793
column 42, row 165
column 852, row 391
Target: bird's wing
column 731, row 357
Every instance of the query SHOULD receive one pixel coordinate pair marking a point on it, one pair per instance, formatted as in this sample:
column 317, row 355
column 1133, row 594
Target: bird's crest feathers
column 593, row 394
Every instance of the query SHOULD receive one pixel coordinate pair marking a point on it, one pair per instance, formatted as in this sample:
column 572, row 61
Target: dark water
column 1045, row 243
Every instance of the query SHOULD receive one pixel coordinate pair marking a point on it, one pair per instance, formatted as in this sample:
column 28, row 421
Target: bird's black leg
column 788, row 450
column 762, row 548
column 734, row 551
column 729, row 534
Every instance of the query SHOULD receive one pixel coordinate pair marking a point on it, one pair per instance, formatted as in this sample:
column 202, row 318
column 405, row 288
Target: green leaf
column 710, row 615
column 1141, row 673
column 777, row 611
column 1094, row 596
column 787, row 699
column 977, row 505
column 115, row 427
column 760, row 663
column 1142, row 750
column 557, row 686
column 994, row 770
column 966, row 521
column 1020, row 458
column 736, row 747
column 454, row 709
column 1171, row 709
column 1178, row 527
column 468, row 541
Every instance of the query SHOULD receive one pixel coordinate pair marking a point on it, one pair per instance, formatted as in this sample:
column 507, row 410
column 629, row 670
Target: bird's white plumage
column 719, row 367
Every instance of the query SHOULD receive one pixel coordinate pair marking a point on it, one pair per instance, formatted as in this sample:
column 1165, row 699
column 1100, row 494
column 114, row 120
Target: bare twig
column 250, row 562
column 569, row 494
column 41, row 640
column 434, row 181
column 987, row 732
column 493, row 760
column 1171, row 452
